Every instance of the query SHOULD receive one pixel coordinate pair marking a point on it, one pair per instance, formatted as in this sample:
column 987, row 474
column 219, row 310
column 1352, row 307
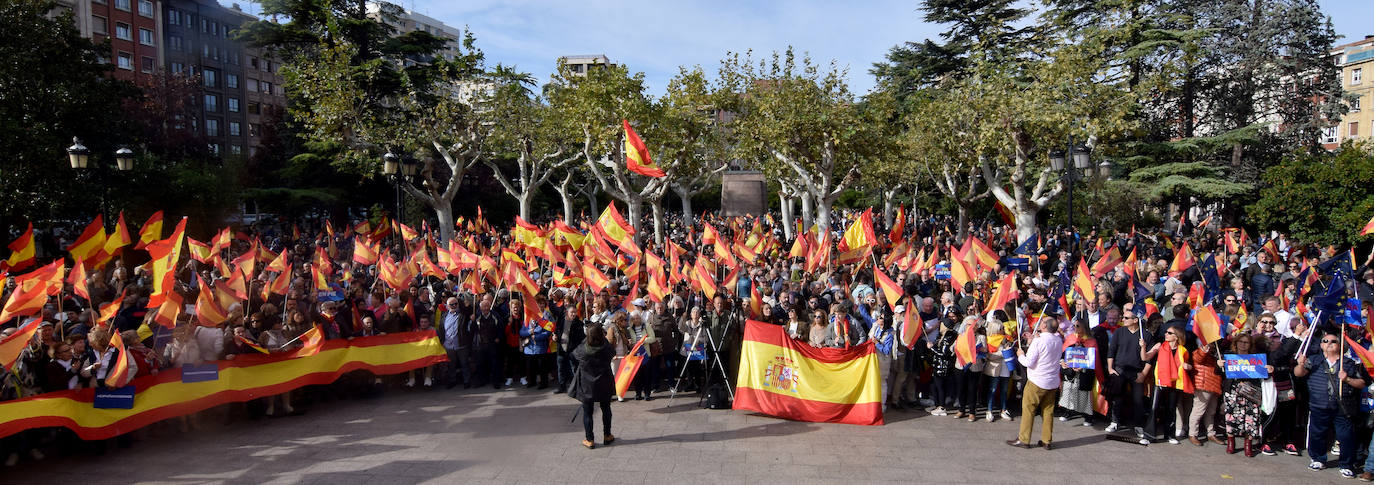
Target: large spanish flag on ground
column 783, row 378
column 248, row 376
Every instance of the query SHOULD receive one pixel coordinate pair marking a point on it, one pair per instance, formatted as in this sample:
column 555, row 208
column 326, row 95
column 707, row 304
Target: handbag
column 1249, row 391
column 1284, row 390
column 656, row 349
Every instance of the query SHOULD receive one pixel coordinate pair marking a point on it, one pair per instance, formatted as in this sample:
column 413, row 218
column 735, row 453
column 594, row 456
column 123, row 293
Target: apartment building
column 1356, row 60
column 133, row 27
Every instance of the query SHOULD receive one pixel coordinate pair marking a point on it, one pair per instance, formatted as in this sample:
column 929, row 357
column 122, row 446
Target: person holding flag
column 593, row 383
column 1334, row 385
column 1042, row 362
column 536, row 337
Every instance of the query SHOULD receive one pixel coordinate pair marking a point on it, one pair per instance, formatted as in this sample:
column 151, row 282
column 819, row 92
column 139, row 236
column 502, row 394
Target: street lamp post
column 1082, row 169
column 80, row 158
column 399, row 171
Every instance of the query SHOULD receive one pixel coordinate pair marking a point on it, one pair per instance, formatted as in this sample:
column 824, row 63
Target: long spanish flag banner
column 248, row 376
column 780, row 377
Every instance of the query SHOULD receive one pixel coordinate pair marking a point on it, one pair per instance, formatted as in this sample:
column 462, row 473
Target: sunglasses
column 1269, row 321
column 1328, row 341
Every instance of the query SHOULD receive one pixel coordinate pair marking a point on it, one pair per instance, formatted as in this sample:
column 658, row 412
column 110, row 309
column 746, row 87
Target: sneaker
column 989, row 416
column 1144, row 441
column 1173, row 441
column 1063, row 418
column 1086, row 424
column 938, row 411
column 1347, row 473
column 1139, row 432
column 1290, row 449
column 524, row 381
column 12, row 460
column 508, row 381
column 1316, row 465
column 1267, row 451
column 1111, row 428
column 410, row 382
column 1006, row 415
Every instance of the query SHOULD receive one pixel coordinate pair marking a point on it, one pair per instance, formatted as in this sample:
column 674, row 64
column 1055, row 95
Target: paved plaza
column 524, row 436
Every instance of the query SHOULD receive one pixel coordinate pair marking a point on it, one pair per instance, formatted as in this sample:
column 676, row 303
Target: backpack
column 716, row 397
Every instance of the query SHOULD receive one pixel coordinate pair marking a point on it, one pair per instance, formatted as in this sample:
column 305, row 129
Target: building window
column 186, row 20
column 254, row 108
column 233, row 128
column 1329, row 135
column 211, row 127
column 173, row 18
column 204, row 25
column 122, row 31
column 252, row 85
column 1355, row 104
column 231, row 81
column 126, row 61
column 253, row 62
column 236, row 149
column 1356, row 75
column 122, row 5
column 100, row 25
column 1354, row 129
column 211, row 103
column 149, row 64
column 214, row 149
column 209, row 75
column 266, row 86
column 177, row 67
column 145, row 8
column 145, row 36
column 174, row 42
column 233, row 104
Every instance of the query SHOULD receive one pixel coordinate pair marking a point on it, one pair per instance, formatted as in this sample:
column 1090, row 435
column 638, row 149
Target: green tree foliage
column 530, row 142
column 53, row 86
column 1316, row 197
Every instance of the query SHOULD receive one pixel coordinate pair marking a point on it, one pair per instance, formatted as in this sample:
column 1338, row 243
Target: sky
column 657, row 36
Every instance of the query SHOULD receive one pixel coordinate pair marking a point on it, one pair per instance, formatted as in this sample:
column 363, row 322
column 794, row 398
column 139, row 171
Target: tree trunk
column 634, row 211
column 785, row 208
column 686, row 199
column 1025, row 226
column 808, row 211
column 525, row 199
column 961, row 232
column 657, row 208
column 888, row 197
column 565, row 193
column 444, row 214
column 823, row 206
column 591, row 203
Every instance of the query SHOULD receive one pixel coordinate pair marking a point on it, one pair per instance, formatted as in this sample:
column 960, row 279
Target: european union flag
column 1030, row 247
column 1343, row 264
column 1210, row 281
column 1330, row 300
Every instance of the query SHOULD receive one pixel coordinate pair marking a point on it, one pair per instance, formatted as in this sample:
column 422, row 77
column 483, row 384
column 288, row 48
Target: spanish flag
column 1207, row 325
column 22, row 251
column 1368, row 228
column 891, row 292
column 637, row 155
column 88, row 247
column 1366, row 357
column 150, row 231
column 13, row 345
column 629, row 366
column 783, row 378
column 1182, row 261
column 616, row 229
column 251, row 344
column 118, row 376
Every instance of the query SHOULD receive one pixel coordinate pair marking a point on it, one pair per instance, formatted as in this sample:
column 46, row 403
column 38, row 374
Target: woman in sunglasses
column 1241, row 401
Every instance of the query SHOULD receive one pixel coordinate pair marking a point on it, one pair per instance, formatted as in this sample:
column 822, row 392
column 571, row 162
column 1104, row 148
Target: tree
column 800, row 123
column 528, row 134
column 939, row 143
column 53, row 86
column 691, row 139
column 598, row 100
column 428, row 121
column 1324, row 198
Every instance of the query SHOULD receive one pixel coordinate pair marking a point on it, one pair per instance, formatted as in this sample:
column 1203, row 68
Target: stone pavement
column 524, row 436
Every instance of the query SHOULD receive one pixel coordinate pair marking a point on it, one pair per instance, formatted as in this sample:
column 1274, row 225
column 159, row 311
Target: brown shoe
column 610, row 438
column 1043, row 444
column 1194, row 441
column 1018, row 444
column 1366, row 477
column 961, row 415
column 1216, row 440
column 588, row 444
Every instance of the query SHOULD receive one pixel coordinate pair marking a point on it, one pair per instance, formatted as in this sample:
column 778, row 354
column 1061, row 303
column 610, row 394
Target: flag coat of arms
column 783, row 378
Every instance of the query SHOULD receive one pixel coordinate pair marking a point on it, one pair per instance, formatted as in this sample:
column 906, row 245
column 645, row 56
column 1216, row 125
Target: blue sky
column 656, row 37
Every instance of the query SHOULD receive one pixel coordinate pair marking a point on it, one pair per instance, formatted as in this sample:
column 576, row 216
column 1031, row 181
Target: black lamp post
column 399, row 170
column 80, row 158
column 1080, row 156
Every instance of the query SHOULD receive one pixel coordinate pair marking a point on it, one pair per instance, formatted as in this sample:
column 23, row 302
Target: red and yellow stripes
column 780, row 377
column 248, row 376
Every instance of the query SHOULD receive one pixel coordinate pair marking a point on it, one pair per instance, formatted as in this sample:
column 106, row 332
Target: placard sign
column 1081, row 357
column 191, row 373
column 122, row 398
column 1246, row 366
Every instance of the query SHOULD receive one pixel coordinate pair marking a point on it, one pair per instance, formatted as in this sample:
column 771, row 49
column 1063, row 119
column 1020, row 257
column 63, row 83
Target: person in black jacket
column 594, row 383
column 572, row 330
column 1282, row 426
column 488, row 331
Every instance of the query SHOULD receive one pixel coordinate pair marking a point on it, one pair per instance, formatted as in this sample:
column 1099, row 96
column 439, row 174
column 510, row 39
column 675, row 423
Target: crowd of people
column 1153, row 376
